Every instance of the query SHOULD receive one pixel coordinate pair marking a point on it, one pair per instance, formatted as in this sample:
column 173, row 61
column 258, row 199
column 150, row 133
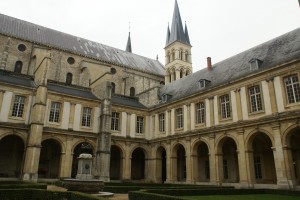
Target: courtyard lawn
column 244, row 197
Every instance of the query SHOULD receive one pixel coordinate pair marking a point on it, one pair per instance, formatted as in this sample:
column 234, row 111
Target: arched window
column 186, row 56
column 173, row 55
column 174, row 75
column 181, row 73
column 113, row 88
column 132, row 92
column 18, row 67
column 69, row 78
column 187, row 72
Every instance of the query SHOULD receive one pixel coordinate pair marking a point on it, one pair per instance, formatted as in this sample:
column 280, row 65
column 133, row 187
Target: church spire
column 177, row 33
column 168, row 35
column 128, row 46
column 187, row 37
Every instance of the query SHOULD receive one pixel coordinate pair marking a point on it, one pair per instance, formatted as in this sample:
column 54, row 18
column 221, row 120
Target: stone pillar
column 167, row 123
column 1, row 98
column 244, row 105
column 127, row 163
column 155, row 125
column 72, row 114
column 33, row 148
column 243, row 167
column 123, row 124
column 6, row 104
column 192, row 120
column 289, row 163
column 172, row 121
column 168, row 164
column 67, row 159
column 185, row 118
column 188, row 159
column 207, row 113
column 128, row 125
column 279, row 159
column 219, row 168
column 272, row 95
column 250, row 169
column 238, row 104
column 104, row 137
column 177, row 74
column 233, row 106
column 212, row 160
column 172, row 76
column 211, row 111
column 216, row 110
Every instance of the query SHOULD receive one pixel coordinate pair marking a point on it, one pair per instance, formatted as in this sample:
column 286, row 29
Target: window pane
column 115, row 119
column 292, row 89
column 18, row 106
column 54, row 112
column 86, row 117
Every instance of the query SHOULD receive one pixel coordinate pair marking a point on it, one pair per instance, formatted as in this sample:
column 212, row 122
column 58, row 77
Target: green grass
column 243, row 197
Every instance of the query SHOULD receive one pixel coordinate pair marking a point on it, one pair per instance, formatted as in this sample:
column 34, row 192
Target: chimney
column 209, row 66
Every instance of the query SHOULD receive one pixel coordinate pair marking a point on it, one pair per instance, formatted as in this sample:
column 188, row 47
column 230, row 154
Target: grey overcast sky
column 217, row 28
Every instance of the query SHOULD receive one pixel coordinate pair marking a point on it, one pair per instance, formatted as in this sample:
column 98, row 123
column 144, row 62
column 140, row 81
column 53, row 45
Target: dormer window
column 255, row 64
column 203, row 83
column 165, row 98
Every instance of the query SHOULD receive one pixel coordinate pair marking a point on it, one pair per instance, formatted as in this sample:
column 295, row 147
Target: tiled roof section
column 73, row 91
column 16, row 79
column 126, row 101
column 41, row 35
column 275, row 52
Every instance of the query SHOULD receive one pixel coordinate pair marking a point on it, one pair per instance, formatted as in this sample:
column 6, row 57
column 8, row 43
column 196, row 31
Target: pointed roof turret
column 168, row 35
column 128, row 46
column 187, row 37
column 177, row 33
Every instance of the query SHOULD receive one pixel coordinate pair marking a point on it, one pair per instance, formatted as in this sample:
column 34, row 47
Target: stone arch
column 19, row 134
column 252, row 134
column 291, row 142
column 57, row 139
column 50, row 159
column 178, row 162
column 138, row 163
column 181, row 72
column 200, row 156
column 12, row 148
column 261, row 157
column 227, row 159
column 222, row 139
column 82, row 141
column 161, row 164
column 116, row 165
column 79, row 148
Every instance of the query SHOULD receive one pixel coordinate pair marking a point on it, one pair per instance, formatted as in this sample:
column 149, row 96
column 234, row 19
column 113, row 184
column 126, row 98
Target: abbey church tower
column 177, row 50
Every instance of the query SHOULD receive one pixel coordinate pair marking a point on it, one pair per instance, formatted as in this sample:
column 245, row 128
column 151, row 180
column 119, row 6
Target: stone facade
column 243, row 131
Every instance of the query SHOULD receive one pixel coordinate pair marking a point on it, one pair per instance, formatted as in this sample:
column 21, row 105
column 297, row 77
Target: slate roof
column 126, row 101
column 16, row 79
column 41, row 35
column 272, row 53
column 73, row 91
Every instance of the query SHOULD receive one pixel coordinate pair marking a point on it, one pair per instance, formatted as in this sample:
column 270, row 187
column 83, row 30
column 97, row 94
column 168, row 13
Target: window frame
column 227, row 106
column 115, row 120
column 255, row 95
column 161, row 122
column 59, row 112
column 139, row 125
column 200, row 112
column 293, row 89
column 23, row 108
column 179, row 118
column 90, row 115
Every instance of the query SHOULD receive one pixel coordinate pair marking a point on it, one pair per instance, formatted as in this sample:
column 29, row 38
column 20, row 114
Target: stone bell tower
column 177, row 50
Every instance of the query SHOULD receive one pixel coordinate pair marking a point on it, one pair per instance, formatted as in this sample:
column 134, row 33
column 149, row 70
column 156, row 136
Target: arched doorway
column 138, row 164
column 11, row 156
column 293, row 144
column 229, row 161
column 263, row 159
column 179, row 163
column 49, row 163
column 161, row 165
column 80, row 148
column 201, row 163
column 115, row 163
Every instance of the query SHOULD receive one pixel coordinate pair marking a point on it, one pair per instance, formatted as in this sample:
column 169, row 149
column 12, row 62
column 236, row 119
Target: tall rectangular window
column 54, row 112
column 255, row 99
column 257, row 167
column 140, row 124
column 225, row 106
column 161, row 118
column 18, row 107
column 115, row 121
column 86, row 117
column 179, row 118
column 200, row 110
column 292, row 88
